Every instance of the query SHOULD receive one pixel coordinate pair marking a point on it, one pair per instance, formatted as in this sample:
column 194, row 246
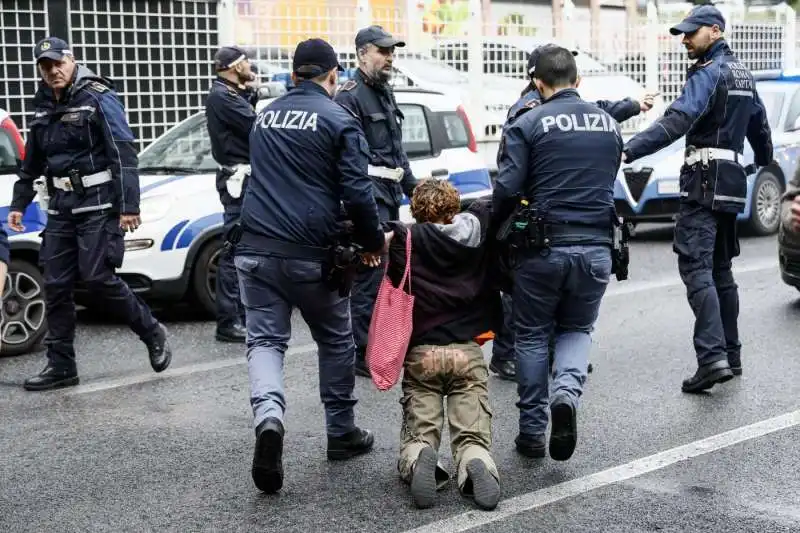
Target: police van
column 172, row 257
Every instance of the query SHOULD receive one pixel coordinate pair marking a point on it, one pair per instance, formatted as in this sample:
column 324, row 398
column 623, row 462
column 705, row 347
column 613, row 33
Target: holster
column 232, row 238
column 620, row 256
column 339, row 271
column 77, row 182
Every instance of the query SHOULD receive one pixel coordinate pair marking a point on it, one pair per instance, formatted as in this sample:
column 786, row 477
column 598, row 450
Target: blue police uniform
column 375, row 106
column 230, row 113
column 718, row 108
column 558, row 290
column 5, row 254
column 503, row 357
column 308, row 157
column 82, row 144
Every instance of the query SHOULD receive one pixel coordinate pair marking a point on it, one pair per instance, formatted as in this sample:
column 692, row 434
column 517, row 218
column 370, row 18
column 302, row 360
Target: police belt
column 705, row 155
column 98, row 178
column 231, row 169
column 391, row 174
column 563, row 234
column 285, row 249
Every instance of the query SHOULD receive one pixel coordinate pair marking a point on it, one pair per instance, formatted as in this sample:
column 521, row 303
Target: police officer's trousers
column 230, row 310
column 706, row 243
column 90, row 246
column 558, row 294
column 271, row 288
column 365, row 287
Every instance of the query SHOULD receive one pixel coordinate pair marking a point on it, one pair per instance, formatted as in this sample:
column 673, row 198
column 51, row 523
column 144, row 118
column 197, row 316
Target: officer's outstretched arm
column 357, row 196
column 695, row 100
column 759, row 134
column 512, row 169
column 118, row 141
column 31, row 168
column 621, row 110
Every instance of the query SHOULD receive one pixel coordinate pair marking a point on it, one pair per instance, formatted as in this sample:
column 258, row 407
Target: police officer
column 80, row 141
column 308, row 157
column 371, row 99
column 562, row 157
column 230, row 112
column 718, row 107
column 503, row 359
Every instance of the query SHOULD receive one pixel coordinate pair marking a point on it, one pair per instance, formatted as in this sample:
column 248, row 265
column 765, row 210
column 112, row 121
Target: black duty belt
column 288, row 250
column 557, row 231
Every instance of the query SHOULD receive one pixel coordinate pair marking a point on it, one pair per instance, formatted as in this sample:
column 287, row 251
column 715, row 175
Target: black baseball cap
column 228, row 56
column 537, row 52
column 378, row 36
column 51, row 48
column 314, row 57
column 699, row 16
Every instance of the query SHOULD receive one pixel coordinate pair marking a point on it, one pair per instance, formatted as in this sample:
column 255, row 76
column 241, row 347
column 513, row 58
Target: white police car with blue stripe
column 172, row 257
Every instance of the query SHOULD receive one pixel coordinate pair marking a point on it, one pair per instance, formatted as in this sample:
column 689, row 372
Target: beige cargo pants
column 459, row 372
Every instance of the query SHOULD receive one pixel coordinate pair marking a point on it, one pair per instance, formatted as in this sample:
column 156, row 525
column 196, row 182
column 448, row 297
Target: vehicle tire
column 24, row 321
column 765, row 205
column 204, row 276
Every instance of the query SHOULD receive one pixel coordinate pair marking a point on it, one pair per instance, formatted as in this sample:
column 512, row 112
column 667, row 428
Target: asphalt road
column 129, row 450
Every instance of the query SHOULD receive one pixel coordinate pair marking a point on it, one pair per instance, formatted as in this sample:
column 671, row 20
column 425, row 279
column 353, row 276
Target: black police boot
column 267, row 468
column 504, row 369
column 357, row 442
column 531, row 445
column 52, row 378
column 361, row 363
column 232, row 333
column 481, row 485
column 735, row 362
column 423, row 480
column 159, row 349
column 707, row 376
column 564, row 432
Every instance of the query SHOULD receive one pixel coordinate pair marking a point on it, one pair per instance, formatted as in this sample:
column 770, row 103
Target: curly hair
column 435, row 201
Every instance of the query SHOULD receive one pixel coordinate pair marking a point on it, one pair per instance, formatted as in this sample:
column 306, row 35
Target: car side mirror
column 271, row 89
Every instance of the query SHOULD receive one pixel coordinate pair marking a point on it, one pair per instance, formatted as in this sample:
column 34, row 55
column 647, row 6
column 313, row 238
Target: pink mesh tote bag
column 390, row 327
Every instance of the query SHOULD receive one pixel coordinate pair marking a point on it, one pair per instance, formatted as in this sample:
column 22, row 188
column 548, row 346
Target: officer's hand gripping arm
column 695, row 100
column 357, row 196
column 759, row 134
column 30, row 168
column 512, row 171
column 119, row 144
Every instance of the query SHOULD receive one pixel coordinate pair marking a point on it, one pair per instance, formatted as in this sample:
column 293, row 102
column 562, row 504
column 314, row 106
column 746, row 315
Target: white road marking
column 620, row 288
column 174, row 372
column 576, row 487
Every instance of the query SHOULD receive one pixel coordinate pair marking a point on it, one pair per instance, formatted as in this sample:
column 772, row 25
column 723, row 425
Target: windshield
column 186, row 148
column 431, row 70
column 8, row 153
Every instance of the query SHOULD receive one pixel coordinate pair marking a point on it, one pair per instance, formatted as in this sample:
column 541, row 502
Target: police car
column 173, row 255
column 647, row 190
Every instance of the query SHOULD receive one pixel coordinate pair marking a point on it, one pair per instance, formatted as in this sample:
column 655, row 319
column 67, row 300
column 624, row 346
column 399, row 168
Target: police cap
column 228, row 57
column 314, row 57
column 377, row 36
column 699, row 16
column 537, row 52
column 51, row 48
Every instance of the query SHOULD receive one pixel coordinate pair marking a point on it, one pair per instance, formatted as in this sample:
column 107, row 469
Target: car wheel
column 204, row 279
column 765, row 205
column 23, row 309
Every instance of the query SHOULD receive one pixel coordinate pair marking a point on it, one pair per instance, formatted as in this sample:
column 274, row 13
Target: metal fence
column 22, row 24
column 156, row 52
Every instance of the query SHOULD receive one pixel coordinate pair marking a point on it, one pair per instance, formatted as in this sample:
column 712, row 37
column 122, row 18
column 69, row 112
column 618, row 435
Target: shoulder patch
column 532, row 104
column 98, row 87
column 349, row 85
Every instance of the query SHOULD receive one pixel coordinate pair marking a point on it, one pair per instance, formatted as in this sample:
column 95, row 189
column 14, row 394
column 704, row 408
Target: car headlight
column 155, row 208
